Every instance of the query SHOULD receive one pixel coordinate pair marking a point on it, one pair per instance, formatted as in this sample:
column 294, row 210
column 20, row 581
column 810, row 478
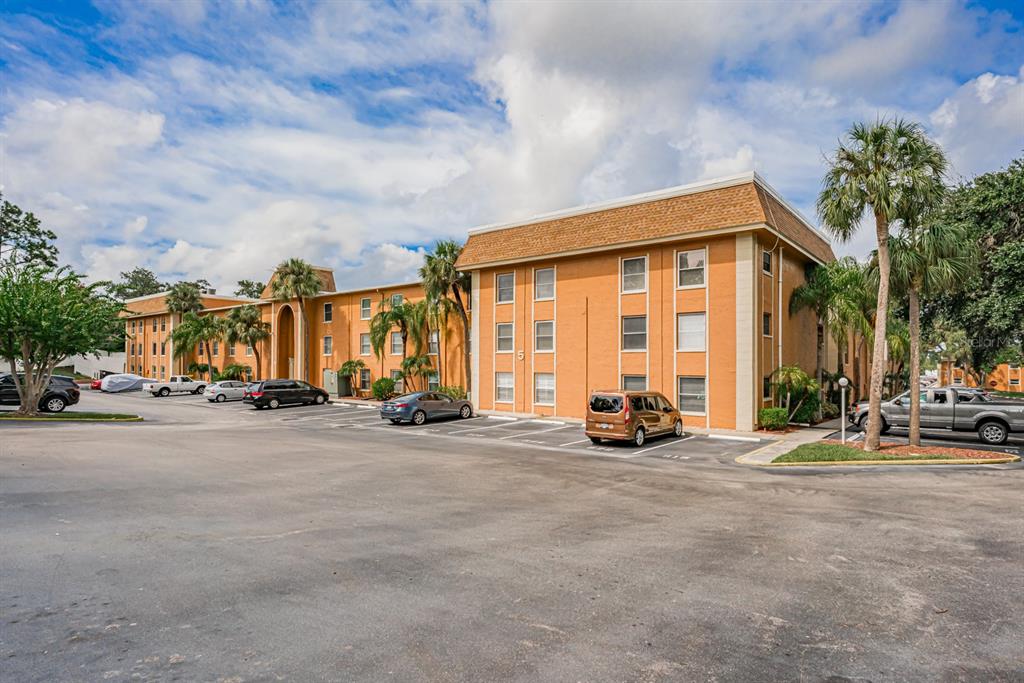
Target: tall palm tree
column 245, row 325
column 407, row 317
column 296, row 279
column 184, row 297
column 351, row 369
column 197, row 330
column 887, row 166
column 442, row 280
column 926, row 260
column 417, row 367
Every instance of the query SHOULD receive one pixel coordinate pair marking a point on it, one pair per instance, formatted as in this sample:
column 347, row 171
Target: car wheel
column 419, row 417
column 639, row 436
column 319, row 400
column 993, row 433
column 394, row 421
column 273, row 404
column 885, row 427
column 677, row 429
column 221, row 398
column 595, row 440
column 165, row 392
column 55, row 404
column 465, row 412
column 200, row 389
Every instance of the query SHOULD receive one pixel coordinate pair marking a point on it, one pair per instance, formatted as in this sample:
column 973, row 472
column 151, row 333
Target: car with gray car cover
column 952, row 409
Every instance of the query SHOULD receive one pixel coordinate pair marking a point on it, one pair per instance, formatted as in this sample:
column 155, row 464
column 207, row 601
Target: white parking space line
column 662, row 445
column 728, row 437
column 573, row 443
column 534, row 433
column 474, row 429
column 502, row 418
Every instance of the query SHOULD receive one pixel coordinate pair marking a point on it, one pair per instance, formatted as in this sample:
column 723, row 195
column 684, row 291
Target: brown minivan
column 631, row 416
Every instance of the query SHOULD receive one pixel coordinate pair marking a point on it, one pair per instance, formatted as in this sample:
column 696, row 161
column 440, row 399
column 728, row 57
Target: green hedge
column 456, row 392
column 383, row 388
column 772, row 418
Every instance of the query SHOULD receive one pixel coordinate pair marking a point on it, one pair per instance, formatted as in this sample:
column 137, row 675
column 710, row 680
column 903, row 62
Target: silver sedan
column 228, row 390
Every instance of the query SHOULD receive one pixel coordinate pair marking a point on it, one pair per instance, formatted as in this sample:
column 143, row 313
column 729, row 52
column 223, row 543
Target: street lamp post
column 843, row 382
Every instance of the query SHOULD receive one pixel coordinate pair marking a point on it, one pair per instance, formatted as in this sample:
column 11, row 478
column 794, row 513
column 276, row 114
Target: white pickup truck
column 176, row 384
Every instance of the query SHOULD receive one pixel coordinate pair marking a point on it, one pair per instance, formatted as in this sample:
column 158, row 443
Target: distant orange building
column 1005, row 377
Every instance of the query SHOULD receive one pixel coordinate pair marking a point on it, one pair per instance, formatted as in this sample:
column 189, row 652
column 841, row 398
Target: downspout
column 778, row 325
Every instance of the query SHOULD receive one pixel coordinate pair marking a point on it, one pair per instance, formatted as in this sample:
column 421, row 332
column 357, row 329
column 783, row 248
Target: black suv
column 61, row 393
column 274, row 393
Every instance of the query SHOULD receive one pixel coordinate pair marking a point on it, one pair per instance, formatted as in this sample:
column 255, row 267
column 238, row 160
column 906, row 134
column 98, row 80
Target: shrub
column 808, row 409
column 456, row 392
column 232, row 371
column 383, row 388
column 772, row 418
column 829, row 410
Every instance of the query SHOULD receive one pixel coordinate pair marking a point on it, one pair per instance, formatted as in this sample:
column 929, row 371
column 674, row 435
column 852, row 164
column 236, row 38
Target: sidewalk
column 784, row 444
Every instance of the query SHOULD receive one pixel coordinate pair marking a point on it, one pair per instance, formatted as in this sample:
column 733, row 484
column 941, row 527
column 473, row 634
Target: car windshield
column 601, row 403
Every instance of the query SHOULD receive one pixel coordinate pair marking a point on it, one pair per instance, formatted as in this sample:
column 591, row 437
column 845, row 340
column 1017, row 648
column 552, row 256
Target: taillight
column 625, row 412
column 401, row 405
column 257, row 394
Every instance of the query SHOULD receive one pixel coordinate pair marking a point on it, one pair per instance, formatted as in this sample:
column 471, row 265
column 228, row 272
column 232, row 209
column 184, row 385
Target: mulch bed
column 892, row 449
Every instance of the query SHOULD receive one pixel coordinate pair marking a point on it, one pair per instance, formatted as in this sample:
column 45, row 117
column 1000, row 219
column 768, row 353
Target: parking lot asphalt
column 215, row 542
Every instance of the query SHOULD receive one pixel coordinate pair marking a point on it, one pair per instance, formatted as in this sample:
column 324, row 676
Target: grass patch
column 1010, row 394
column 74, row 417
column 827, row 452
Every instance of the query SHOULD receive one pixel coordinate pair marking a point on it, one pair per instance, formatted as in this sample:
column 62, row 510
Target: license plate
column 606, row 426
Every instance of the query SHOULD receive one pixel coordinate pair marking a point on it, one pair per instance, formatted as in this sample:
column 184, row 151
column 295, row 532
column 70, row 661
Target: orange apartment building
column 683, row 291
column 1004, row 377
column 339, row 325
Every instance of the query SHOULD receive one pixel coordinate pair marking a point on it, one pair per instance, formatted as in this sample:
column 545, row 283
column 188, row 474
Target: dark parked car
column 420, row 406
column 273, row 393
column 61, row 393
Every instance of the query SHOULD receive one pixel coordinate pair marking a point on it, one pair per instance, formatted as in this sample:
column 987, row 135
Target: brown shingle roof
column 727, row 205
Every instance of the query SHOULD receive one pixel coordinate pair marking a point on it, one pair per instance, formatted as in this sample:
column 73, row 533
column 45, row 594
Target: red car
column 95, row 384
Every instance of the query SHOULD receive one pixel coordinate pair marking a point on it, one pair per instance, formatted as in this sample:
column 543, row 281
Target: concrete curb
column 137, row 418
column 874, row 463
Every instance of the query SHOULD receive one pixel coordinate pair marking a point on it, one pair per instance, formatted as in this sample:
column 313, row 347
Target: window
column 328, row 345
column 133, row 326
column 396, row 299
column 216, row 348
column 200, row 350
column 544, row 284
column 504, row 390
column 690, row 329
column 163, row 371
column 396, row 376
column 396, row 344
column 544, row 336
column 503, row 338
column 766, row 262
column 364, row 344
column 364, row 379
column 958, row 380
column 544, row 388
column 1013, row 366
column 231, row 350
column 634, row 333
column 691, row 395
column 328, row 313
column 1015, row 381
column 163, row 348
column 154, row 348
column 154, row 329
column 433, row 382
column 364, row 309
column 153, row 368
column 506, row 284
column 634, row 274
column 634, row 383
column 163, row 324
column 691, row 268
column 766, row 324
column 433, row 342
column 248, row 350
column 766, row 388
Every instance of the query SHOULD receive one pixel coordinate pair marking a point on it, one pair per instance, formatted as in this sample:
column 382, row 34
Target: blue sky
column 209, row 139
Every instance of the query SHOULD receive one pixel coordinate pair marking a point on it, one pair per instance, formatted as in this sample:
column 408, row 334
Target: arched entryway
column 285, row 328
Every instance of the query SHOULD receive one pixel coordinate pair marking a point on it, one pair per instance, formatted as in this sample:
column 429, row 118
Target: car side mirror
column 897, row 402
column 667, row 409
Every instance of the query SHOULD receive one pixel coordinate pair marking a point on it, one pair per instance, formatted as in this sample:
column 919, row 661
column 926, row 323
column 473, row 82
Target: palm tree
column 351, row 368
column 196, row 330
column 887, row 166
column 926, row 260
column 245, row 325
column 184, row 297
column 442, row 280
column 438, row 313
column 417, row 367
column 790, row 379
column 296, row 279
column 410, row 319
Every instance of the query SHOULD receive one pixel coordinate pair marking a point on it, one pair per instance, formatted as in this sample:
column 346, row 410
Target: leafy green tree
column 135, row 283
column 296, row 279
column 419, row 368
column 197, row 330
column 351, row 369
column 249, row 288
column 989, row 307
column 45, row 317
column 234, row 371
column 442, row 280
column 245, row 325
column 886, row 167
column 790, row 380
column 23, row 241
column 439, row 312
column 408, row 317
column 184, row 297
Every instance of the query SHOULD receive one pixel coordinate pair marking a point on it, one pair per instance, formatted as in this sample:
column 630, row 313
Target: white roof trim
column 167, row 291
column 645, row 197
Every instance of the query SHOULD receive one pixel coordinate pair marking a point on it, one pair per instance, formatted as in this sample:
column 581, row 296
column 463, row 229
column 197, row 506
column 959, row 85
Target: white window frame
column 536, row 348
column 704, row 269
column 497, row 287
column 434, row 343
column 771, row 261
column 433, row 382
column 369, row 345
column 365, row 312
column 766, row 316
column 327, row 345
column 535, row 387
column 216, row 347
column 328, row 306
column 622, row 275
column 497, row 387
column 397, row 300
column 248, row 350
column 1014, row 382
column 553, row 278
column 679, row 395
column 391, row 340
column 364, row 374
column 498, row 337
column 622, row 334
column 622, row 382
column 702, row 346
column 231, row 350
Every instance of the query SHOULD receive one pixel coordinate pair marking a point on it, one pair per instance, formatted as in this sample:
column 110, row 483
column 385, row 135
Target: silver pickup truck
column 952, row 409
